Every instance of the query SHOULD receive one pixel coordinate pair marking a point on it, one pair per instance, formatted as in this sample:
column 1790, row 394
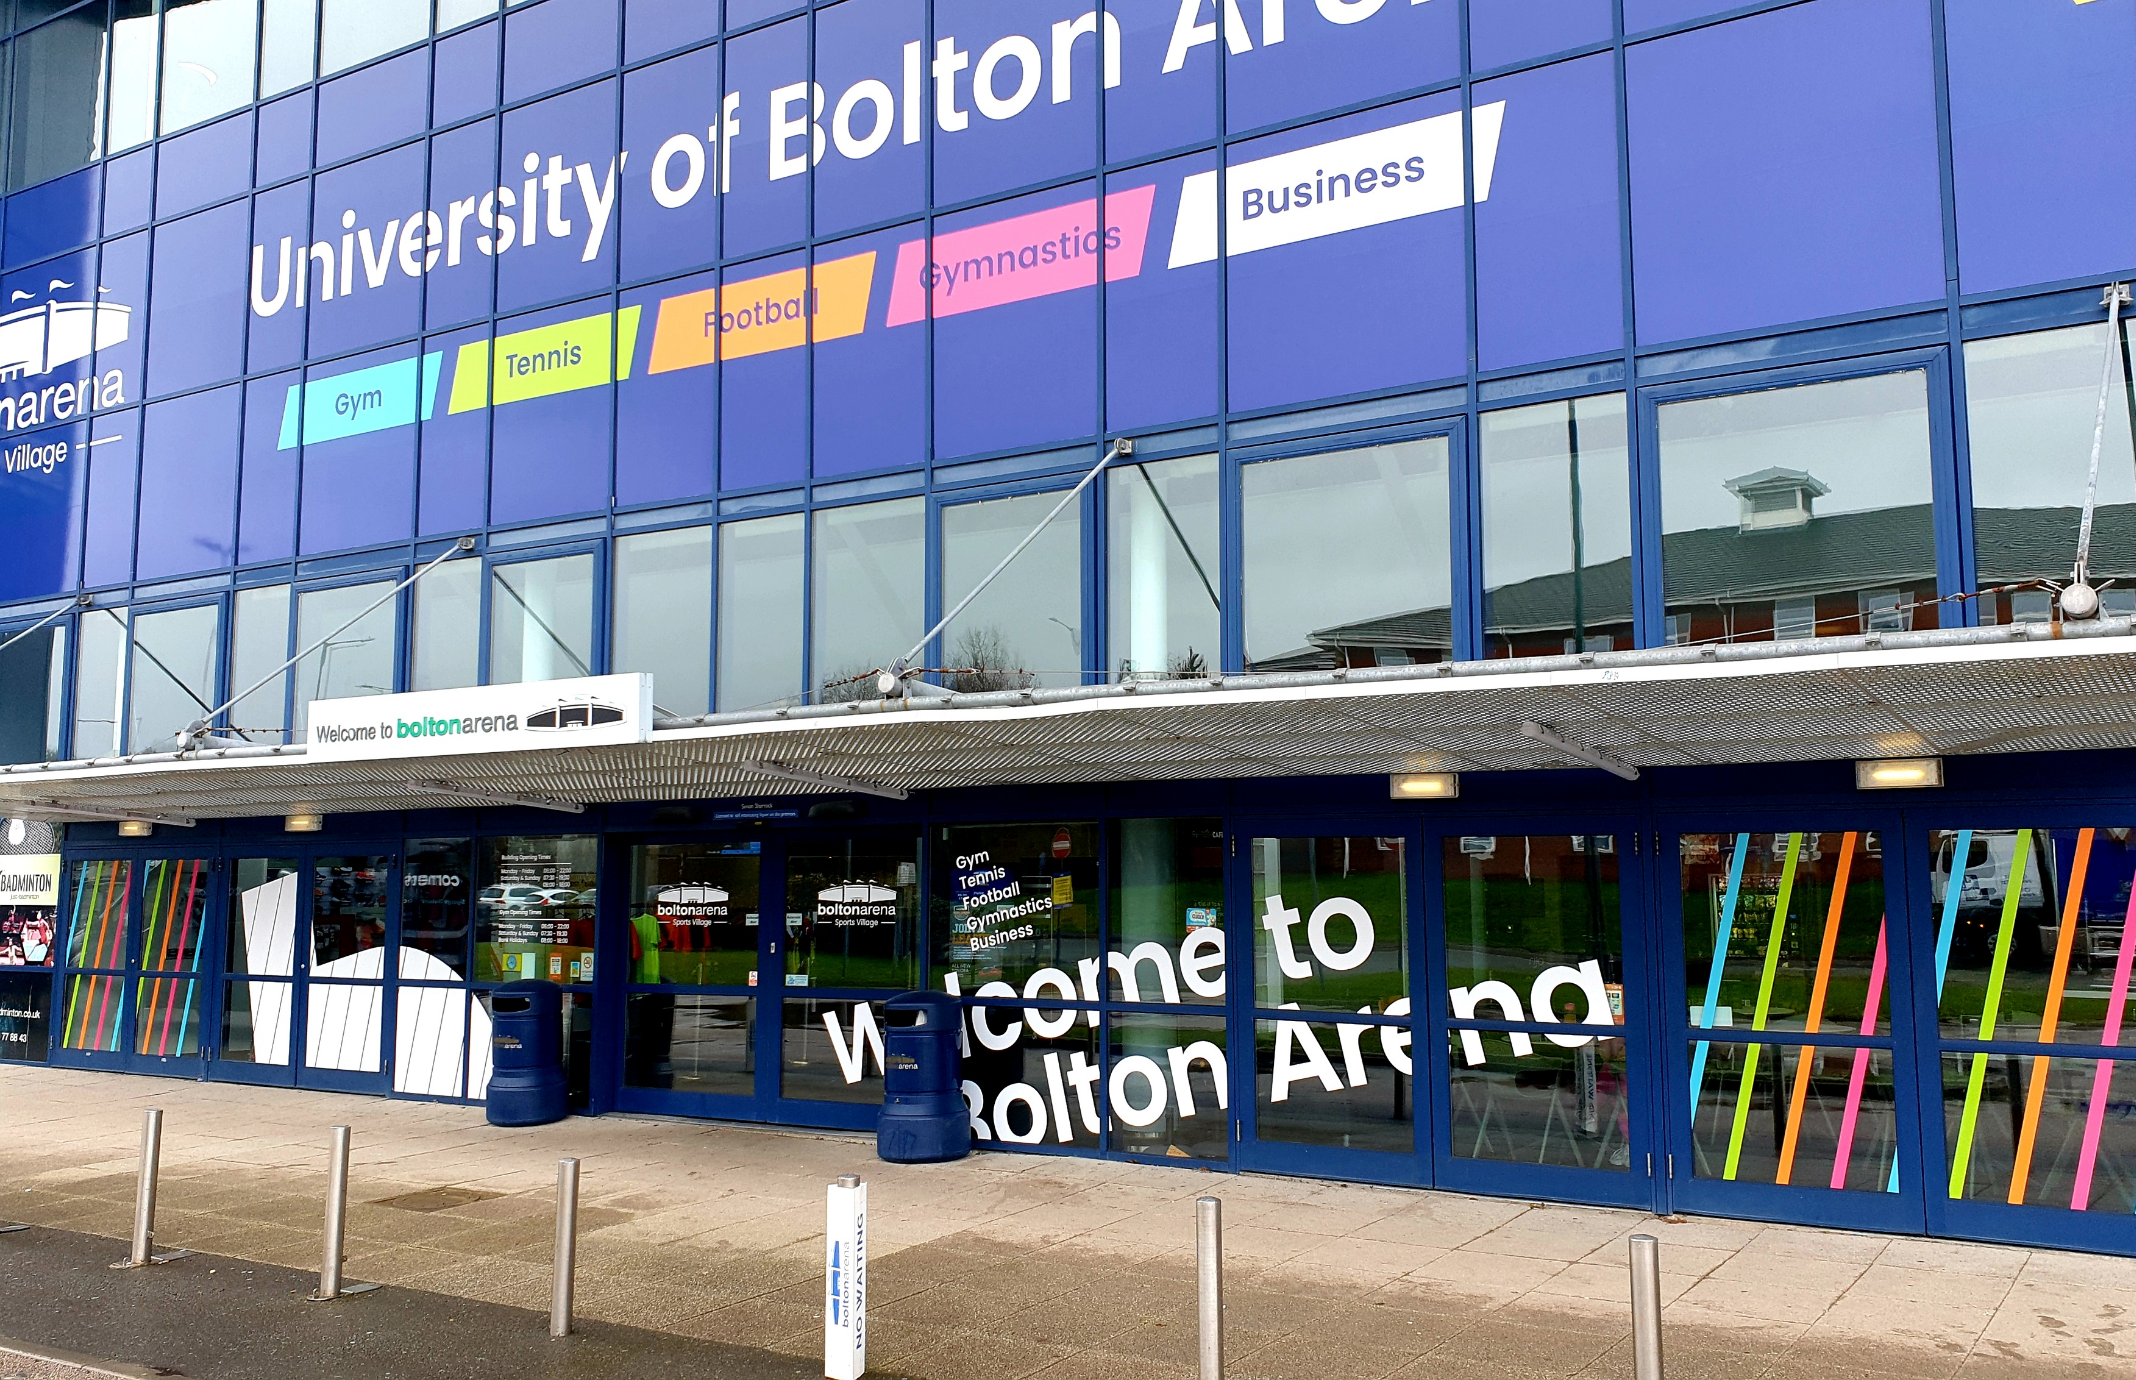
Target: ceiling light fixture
column 1424, row 785
column 1898, row 774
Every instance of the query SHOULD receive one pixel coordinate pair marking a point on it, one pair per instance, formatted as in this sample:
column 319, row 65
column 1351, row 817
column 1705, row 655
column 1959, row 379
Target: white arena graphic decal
column 40, row 340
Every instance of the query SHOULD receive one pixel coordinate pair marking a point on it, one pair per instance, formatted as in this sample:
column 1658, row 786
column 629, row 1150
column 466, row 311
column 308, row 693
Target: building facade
column 1732, row 386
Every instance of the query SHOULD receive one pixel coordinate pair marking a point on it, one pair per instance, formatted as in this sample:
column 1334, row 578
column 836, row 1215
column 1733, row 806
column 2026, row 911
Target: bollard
column 1646, row 1308
column 845, row 1270
column 337, row 1212
column 142, row 1251
column 567, row 1180
column 1209, row 1272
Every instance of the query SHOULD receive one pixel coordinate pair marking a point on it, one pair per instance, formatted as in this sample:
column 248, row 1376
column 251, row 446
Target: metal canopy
column 2032, row 687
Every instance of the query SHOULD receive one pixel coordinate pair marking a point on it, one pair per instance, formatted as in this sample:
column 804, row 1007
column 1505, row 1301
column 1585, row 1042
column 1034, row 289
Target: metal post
column 337, row 1213
column 1209, row 1270
column 144, row 1232
column 142, row 1250
column 1646, row 1308
column 567, row 1180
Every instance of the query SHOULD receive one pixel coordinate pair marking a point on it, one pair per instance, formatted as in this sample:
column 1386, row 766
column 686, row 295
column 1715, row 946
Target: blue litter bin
column 923, row 1100
column 527, row 1085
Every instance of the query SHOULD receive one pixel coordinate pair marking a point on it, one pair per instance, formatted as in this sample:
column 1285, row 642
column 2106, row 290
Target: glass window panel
column 534, row 913
column 349, row 916
column 59, row 88
column 2032, row 404
column 1810, row 1118
column 259, row 645
column 1019, row 1080
column 1016, row 908
column 664, row 616
column 174, row 914
column 358, row 30
column 437, row 891
column 2040, row 1132
column 445, row 608
column 853, row 912
column 2033, row 940
column 167, row 1017
column 1026, row 629
column 341, row 1026
column 430, row 1040
column 1169, row 1087
column 130, row 100
column 174, row 661
column 1331, row 924
column 96, row 915
column 870, row 589
column 208, row 49
column 255, row 1023
column 1339, row 1085
column 692, row 1044
column 1786, row 932
column 1166, row 620
column 760, row 612
column 1781, row 509
column 694, row 914
column 262, row 934
column 1522, row 905
column 831, row 1051
column 1349, row 559
column 1557, row 528
column 1168, row 912
column 32, row 684
column 1528, row 1101
column 541, row 620
column 357, row 660
column 26, row 1029
column 453, row 13
column 94, row 1005
column 100, row 683
column 288, row 32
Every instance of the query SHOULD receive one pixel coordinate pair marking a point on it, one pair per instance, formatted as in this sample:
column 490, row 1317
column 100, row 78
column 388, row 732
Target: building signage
column 588, row 712
column 30, row 880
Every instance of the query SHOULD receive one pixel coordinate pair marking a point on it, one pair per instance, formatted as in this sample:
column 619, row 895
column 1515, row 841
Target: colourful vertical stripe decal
column 157, row 894
column 1818, row 992
column 2103, row 1077
column 1765, row 1004
column 2050, row 1018
column 185, row 939
column 1947, row 931
column 1720, row 965
column 1969, row 1119
column 1860, row 1074
column 114, row 924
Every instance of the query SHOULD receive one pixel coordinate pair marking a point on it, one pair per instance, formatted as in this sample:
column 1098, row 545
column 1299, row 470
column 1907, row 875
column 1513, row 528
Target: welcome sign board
column 592, row 711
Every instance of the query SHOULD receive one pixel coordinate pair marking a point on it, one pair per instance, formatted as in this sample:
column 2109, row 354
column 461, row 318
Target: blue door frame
column 121, row 985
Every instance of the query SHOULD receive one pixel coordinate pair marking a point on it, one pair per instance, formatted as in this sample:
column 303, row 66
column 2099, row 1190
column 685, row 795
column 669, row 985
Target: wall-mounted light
column 303, row 822
column 135, row 828
column 1424, row 785
column 1898, row 774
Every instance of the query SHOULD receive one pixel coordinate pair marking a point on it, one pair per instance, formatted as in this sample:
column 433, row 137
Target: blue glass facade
column 742, row 341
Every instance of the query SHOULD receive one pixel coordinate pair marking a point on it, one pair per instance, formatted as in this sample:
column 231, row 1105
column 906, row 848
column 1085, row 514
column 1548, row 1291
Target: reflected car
column 513, row 899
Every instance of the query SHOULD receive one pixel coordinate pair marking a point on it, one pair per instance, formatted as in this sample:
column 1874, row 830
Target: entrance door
column 255, row 1011
column 1789, row 970
column 1547, row 1056
column 702, row 970
column 1322, row 1041
column 346, row 998
column 136, row 935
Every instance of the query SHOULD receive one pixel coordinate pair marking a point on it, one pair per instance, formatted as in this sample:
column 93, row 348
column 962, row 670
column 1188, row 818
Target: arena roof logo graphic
column 36, row 340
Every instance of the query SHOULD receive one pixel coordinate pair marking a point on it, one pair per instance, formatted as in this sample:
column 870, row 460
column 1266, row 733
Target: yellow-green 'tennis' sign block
column 545, row 361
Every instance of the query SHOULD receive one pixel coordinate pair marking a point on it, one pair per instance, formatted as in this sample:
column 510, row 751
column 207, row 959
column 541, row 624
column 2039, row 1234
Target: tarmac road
column 213, row 1318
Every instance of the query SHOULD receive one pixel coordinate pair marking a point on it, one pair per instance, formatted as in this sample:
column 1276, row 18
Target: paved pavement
column 1004, row 1266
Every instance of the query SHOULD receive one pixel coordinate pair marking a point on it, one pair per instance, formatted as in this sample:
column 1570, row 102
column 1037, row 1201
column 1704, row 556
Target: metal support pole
column 1646, row 1308
column 337, row 1214
column 567, row 1180
column 1209, row 1272
column 144, row 1232
column 143, row 1248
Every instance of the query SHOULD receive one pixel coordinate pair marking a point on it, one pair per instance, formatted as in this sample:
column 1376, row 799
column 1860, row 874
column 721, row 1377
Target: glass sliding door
column 2033, row 956
column 852, row 941
column 261, row 924
column 93, row 993
column 345, row 990
column 1331, row 1040
column 1548, row 1076
column 695, row 947
column 169, row 995
column 1791, row 958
